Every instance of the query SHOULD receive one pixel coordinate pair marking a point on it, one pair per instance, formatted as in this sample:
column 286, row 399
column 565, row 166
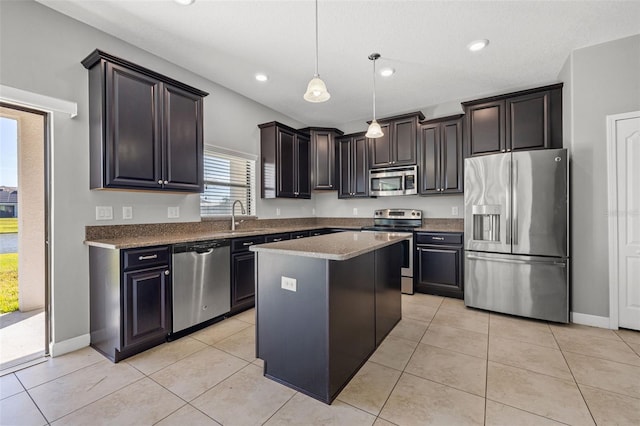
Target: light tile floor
column 443, row 364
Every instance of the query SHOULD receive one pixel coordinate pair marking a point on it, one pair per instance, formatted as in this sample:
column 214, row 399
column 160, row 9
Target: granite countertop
column 340, row 246
column 125, row 242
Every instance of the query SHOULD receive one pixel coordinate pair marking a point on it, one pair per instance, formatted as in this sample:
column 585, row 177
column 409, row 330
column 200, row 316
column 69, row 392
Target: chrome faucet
column 233, row 216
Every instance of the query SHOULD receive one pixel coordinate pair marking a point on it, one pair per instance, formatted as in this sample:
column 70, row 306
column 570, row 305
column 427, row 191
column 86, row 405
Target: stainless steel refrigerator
column 516, row 233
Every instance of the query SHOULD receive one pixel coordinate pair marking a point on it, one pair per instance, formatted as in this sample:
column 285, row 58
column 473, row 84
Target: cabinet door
column 528, row 124
column 345, row 154
column 380, row 148
column 439, row 271
column 132, row 151
column 403, row 146
column 145, row 305
column 430, row 181
column 323, row 154
column 486, row 128
column 285, row 163
column 182, row 140
column 451, row 172
column 360, row 170
column 243, row 285
column 303, row 177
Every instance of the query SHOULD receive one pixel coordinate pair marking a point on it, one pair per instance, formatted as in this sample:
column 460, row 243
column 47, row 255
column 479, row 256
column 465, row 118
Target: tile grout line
column 405, row 366
column 574, row 378
column 281, row 407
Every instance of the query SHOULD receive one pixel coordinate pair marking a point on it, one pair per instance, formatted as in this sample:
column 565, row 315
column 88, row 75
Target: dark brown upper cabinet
column 284, row 162
column 323, row 157
column 398, row 145
column 529, row 119
column 146, row 129
column 353, row 166
column 441, row 156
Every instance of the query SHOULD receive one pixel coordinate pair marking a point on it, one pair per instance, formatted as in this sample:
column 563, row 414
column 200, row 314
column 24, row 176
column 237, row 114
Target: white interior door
column 625, row 252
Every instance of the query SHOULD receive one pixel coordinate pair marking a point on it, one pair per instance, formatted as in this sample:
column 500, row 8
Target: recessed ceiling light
column 387, row 72
column 262, row 77
column 185, row 2
column 476, row 45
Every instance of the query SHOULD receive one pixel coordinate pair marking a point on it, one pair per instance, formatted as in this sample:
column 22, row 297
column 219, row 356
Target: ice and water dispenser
column 486, row 222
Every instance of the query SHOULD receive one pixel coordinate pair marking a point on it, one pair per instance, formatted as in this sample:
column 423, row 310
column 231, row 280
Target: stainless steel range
column 399, row 220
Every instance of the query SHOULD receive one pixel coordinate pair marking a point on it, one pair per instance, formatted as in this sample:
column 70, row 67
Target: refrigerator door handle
column 514, row 202
column 508, row 203
column 517, row 261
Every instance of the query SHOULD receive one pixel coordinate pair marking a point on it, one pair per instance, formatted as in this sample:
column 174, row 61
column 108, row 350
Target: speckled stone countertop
column 441, row 225
column 340, row 246
column 164, row 239
column 146, row 235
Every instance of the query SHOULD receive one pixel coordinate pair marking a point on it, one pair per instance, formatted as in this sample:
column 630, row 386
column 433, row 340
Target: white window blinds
column 227, row 178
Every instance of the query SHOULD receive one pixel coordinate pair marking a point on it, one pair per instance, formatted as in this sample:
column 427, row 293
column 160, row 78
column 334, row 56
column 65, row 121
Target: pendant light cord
column 374, row 89
column 317, row 74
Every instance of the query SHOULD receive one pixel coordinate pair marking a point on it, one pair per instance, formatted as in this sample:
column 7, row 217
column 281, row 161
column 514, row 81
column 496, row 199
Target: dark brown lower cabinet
column 129, row 293
column 439, row 260
column 145, row 305
column 243, row 280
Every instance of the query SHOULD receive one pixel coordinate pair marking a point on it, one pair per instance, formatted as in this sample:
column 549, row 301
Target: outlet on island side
column 355, row 211
column 127, row 212
column 173, row 212
column 288, row 283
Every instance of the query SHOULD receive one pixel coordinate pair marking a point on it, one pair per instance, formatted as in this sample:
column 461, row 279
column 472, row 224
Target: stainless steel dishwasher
column 201, row 282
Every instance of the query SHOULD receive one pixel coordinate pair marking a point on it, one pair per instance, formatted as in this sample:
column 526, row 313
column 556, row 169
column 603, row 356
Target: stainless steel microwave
column 393, row 181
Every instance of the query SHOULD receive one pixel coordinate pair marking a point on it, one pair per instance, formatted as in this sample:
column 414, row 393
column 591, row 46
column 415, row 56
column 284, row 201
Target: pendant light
column 316, row 90
column 374, row 130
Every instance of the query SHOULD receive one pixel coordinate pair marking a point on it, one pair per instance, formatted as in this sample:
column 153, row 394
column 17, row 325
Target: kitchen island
column 323, row 306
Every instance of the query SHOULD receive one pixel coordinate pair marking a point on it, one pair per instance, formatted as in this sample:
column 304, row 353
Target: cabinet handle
column 504, row 150
column 160, row 182
column 277, row 240
column 438, row 238
column 166, row 272
column 166, row 182
column 149, row 257
column 250, row 243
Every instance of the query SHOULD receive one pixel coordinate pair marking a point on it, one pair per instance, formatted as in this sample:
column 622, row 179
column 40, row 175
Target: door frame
column 46, row 139
column 16, row 98
column 612, row 186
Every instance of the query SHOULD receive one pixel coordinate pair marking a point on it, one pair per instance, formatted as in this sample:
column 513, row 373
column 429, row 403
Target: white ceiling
column 425, row 41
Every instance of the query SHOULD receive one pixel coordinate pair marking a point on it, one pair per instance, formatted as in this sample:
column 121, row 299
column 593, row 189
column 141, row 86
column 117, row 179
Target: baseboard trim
column 70, row 345
column 591, row 320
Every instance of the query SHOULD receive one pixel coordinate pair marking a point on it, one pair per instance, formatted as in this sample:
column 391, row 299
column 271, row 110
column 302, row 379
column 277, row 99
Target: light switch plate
column 173, row 212
column 454, row 211
column 355, row 211
column 127, row 212
column 104, row 213
column 288, row 283
column 277, row 212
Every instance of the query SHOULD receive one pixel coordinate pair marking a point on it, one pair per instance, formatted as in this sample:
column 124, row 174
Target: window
column 227, row 178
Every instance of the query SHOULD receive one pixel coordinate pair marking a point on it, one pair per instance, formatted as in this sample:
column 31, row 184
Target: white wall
column 601, row 80
column 40, row 51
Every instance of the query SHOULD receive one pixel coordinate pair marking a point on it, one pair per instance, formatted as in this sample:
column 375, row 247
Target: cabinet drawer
column 299, row 234
column 439, row 238
column 243, row 244
column 274, row 238
column 145, row 257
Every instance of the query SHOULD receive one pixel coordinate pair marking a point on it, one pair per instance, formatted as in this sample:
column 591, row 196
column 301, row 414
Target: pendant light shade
column 316, row 90
column 374, row 130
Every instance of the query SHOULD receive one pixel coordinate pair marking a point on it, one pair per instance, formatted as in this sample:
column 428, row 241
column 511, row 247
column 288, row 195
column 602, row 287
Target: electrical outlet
column 104, row 213
column 355, row 211
column 454, row 211
column 288, row 283
column 173, row 212
column 313, row 211
column 127, row 212
column 277, row 212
